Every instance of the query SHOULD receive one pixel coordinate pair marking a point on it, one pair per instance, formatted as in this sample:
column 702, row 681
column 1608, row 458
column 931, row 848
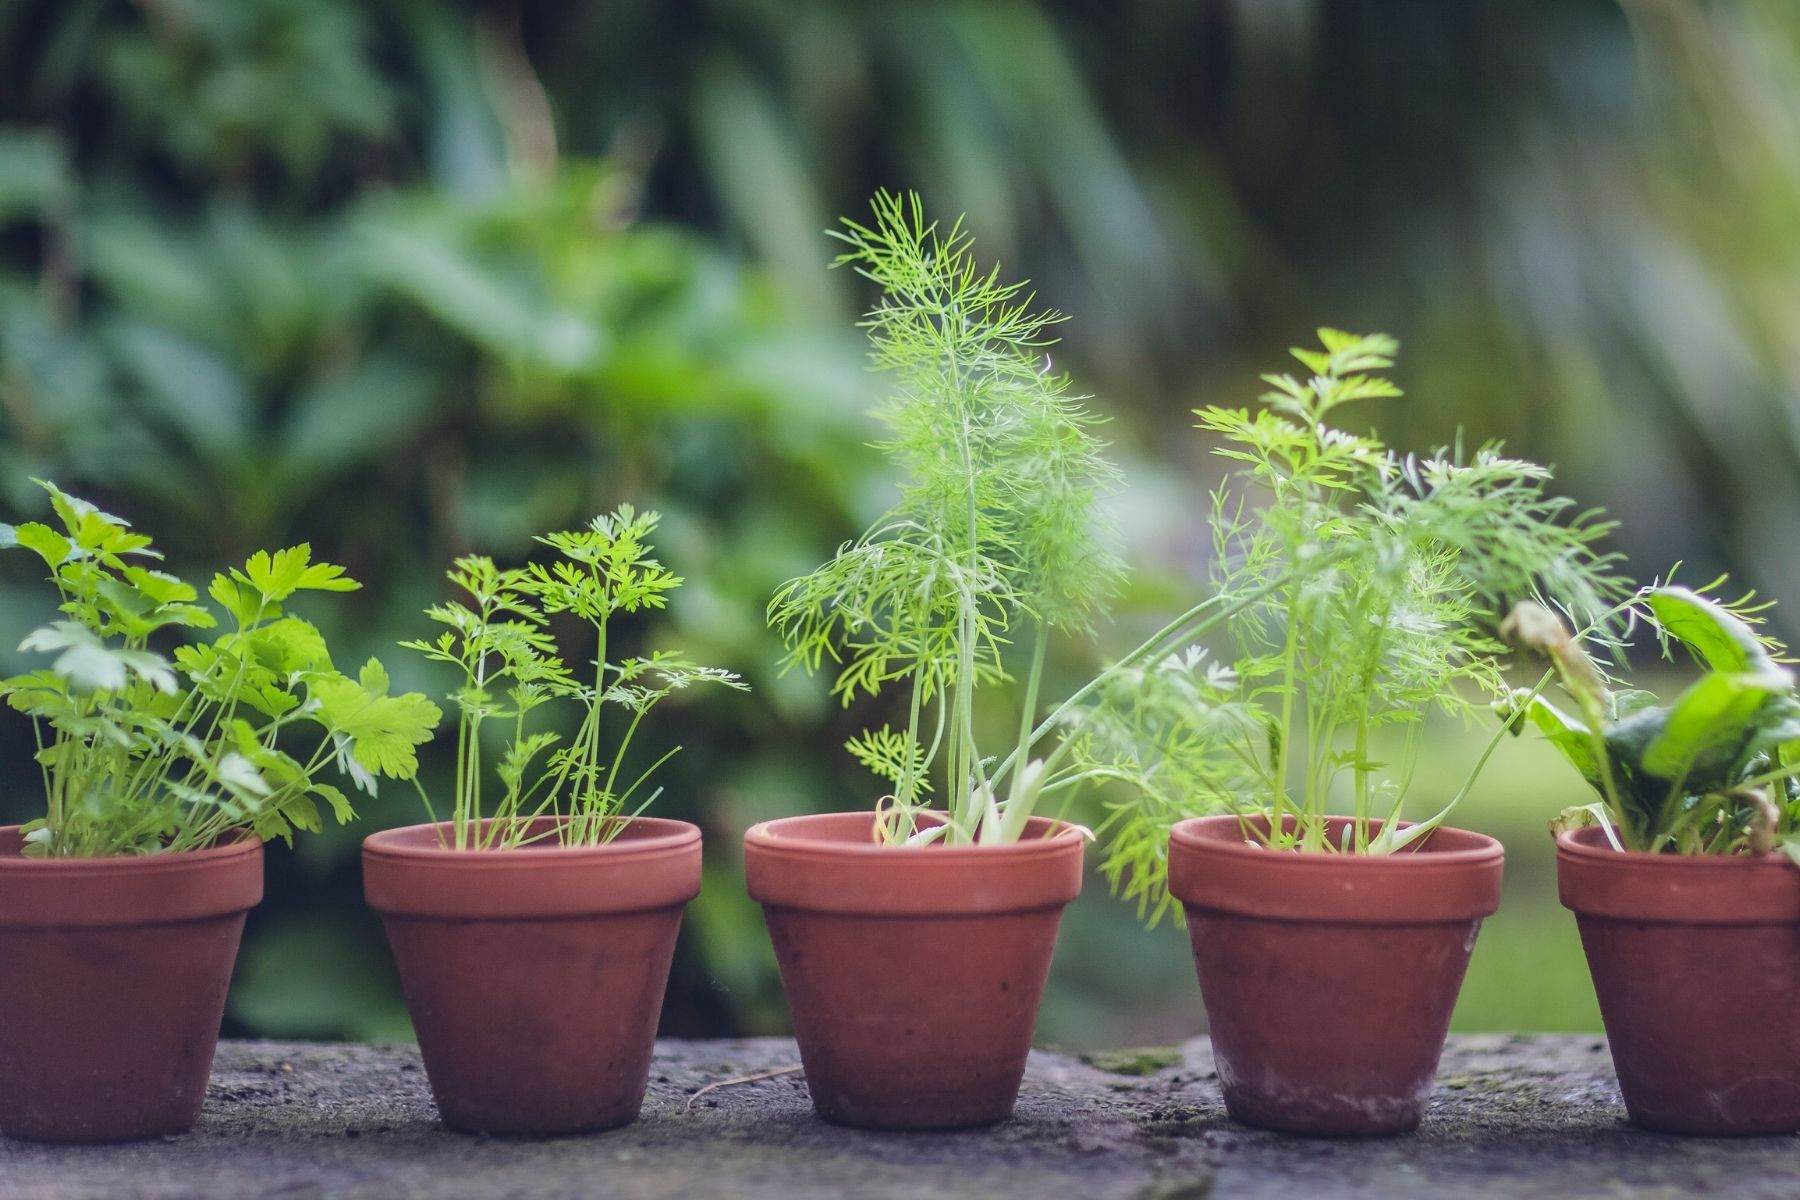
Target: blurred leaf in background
column 413, row 279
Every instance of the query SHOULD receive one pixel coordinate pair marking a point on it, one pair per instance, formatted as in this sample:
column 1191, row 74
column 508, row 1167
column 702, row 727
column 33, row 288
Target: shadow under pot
column 1696, row 963
column 1329, row 978
column 913, row 974
column 113, row 973
column 535, row 975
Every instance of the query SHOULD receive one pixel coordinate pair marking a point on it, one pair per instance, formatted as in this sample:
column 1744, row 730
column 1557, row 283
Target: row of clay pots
column 535, row 976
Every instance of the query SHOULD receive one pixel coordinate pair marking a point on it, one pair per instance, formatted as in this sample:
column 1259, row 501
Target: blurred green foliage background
column 423, row 277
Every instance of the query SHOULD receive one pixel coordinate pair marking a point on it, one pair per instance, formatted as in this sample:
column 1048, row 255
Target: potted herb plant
column 1682, row 872
column 121, row 908
column 533, row 929
column 914, row 941
column 1360, row 589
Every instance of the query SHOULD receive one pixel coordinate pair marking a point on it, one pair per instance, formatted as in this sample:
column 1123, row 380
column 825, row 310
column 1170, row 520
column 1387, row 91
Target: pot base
column 1696, row 964
column 113, row 973
column 913, row 974
column 535, row 975
column 1329, row 978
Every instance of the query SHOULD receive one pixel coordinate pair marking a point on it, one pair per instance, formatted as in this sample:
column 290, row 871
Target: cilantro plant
column 147, row 752
column 1359, row 590
column 501, row 642
column 1711, row 772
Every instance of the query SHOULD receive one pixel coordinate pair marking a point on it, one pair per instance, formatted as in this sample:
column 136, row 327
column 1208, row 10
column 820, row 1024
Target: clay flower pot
column 1696, row 961
column 1329, row 978
column 913, row 975
column 113, row 974
column 535, row 976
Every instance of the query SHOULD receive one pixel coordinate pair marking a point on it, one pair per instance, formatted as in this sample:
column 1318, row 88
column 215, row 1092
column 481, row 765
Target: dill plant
column 146, row 752
column 1358, row 589
column 1716, row 770
column 996, row 540
column 499, row 638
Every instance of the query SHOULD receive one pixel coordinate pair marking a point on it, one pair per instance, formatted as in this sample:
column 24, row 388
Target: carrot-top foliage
column 1358, row 589
column 145, row 750
column 499, row 638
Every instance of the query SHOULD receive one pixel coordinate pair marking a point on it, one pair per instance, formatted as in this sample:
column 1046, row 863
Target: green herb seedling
column 995, row 539
column 1359, row 590
column 501, row 643
column 997, row 542
column 151, row 753
column 1711, row 772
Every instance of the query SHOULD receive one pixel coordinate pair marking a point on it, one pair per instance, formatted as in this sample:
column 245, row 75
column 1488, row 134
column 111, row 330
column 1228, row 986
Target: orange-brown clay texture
column 1329, row 978
column 113, row 974
column 535, row 976
column 1696, row 962
column 913, row 974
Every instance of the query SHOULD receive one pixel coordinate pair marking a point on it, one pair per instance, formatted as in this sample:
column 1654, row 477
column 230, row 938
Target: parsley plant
column 144, row 752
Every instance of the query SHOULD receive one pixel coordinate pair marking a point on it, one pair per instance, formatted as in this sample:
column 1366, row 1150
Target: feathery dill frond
column 997, row 536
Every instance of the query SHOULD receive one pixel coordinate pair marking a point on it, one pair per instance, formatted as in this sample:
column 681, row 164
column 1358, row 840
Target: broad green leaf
column 241, row 776
column 1710, row 723
column 50, row 545
column 159, row 587
column 1573, row 739
column 340, row 803
column 241, row 600
column 275, row 576
column 90, row 665
column 286, row 645
column 1721, row 640
column 382, row 730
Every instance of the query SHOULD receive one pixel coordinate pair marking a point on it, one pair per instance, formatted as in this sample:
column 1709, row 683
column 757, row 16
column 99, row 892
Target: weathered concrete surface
column 1513, row 1117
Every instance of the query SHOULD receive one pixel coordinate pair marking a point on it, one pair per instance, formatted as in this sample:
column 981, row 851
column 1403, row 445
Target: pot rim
column 791, row 836
column 243, row 843
column 422, row 845
column 1212, row 869
column 1198, row 833
column 652, row 865
column 824, row 863
column 121, row 891
column 1596, row 881
column 1588, row 844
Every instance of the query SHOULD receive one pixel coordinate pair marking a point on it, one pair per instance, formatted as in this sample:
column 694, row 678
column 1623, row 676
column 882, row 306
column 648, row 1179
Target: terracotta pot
column 113, row 974
column 1696, row 961
column 1329, row 978
column 913, row 975
column 535, row 976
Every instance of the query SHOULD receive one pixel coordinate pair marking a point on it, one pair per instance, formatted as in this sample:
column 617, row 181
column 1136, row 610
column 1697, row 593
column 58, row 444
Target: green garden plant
column 1713, row 771
column 144, row 752
column 502, row 643
column 1360, row 589
column 996, row 540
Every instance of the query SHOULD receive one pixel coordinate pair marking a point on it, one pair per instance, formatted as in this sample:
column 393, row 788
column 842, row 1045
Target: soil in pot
column 535, row 976
column 913, row 975
column 113, row 973
column 1329, row 978
column 1696, row 963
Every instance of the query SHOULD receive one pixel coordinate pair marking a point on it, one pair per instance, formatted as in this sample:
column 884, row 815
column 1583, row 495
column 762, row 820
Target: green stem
column 1190, row 624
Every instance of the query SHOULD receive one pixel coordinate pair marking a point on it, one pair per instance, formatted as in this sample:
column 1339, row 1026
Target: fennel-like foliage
column 501, row 642
column 1360, row 590
column 149, row 752
column 996, row 539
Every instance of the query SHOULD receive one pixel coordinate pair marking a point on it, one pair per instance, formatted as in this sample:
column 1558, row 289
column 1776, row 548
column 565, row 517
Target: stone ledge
column 1524, row 1116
